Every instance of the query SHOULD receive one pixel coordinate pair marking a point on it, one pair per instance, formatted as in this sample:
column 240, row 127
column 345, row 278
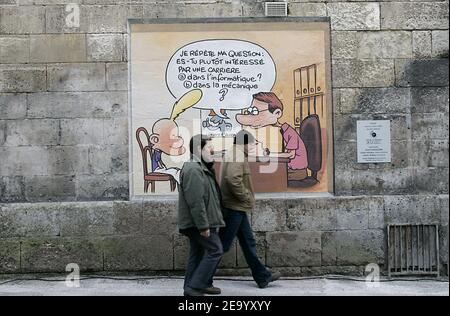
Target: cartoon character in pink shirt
column 265, row 110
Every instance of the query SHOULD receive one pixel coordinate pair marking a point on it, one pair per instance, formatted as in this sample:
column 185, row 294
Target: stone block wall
column 64, row 137
column 296, row 236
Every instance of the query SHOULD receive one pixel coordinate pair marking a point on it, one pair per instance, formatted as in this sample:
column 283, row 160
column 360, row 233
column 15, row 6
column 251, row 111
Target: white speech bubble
column 229, row 73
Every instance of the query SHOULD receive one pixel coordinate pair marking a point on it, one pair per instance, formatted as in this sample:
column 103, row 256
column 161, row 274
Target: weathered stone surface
column 68, row 160
column 352, row 213
column 354, row 16
column 307, row 9
column 414, row 15
column 50, row 188
column 421, row 44
column 87, row 219
column 82, row 132
column 159, row 218
column 16, row 161
column 384, row 45
column 298, row 249
column 22, row 19
column 14, row 49
column 108, row 159
column 180, row 251
column 213, row 10
column 358, row 247
column 329, row 249
column 430, row 126
column 76, row 77
column 444, row 206
column 93, row 18
column 139, row 253
column 328, row 270
column 378, row 182
column 440, row 40
column 443, row 251
column 13, row 106
column 312, row 215
column 343, row 182
column 344, row 44
column 429, row 99
column 412, row 209
column 433, row 153
column 369, row 45
column 54, row 254
column 431, row 180
column 102, row 187
column 363, row 73
column 346, row 157
column 254, row 9
column 116, row 131
column 105, row 47
column 269, row 216
column 58, row 48
column 117, row 76
column 32, row 132
column 55, row 20
column 164, row 10
column 421, row 73
column 9, row 256
column 77, row 104
column 374, row 100
column 376, row 213
column 345, row 125
column 24, row 220
column 22, row 78
column 2, row 132
column 128, row 218
column 12, row 189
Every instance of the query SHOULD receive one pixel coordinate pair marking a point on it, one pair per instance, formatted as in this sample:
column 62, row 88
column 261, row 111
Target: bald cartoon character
column 165, row 137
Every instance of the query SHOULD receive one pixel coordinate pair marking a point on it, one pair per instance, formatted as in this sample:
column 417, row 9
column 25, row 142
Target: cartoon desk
column 274, row 181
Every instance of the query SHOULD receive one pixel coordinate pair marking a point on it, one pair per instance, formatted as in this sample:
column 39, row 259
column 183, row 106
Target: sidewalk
column 230, row 286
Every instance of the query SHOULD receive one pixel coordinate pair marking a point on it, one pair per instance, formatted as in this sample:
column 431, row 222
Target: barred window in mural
column 270, row 78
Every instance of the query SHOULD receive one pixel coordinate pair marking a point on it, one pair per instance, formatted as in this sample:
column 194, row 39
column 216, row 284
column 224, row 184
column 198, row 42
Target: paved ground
column 230, row 286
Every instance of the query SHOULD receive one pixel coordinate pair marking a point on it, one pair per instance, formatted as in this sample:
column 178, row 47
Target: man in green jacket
column 238, row 199
column 200, row 217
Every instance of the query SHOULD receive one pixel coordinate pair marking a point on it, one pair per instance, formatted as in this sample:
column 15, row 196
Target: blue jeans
column 237, row 224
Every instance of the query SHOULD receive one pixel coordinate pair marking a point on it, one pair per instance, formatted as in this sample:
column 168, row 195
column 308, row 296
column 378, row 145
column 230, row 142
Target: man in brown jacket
column 238, row 199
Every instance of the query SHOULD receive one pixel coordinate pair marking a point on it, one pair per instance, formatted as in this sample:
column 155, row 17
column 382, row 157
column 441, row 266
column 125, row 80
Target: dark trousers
column 237, row 224
column 204, row 256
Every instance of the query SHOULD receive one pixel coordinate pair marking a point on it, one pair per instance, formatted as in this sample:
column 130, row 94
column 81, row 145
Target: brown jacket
column 236, row 183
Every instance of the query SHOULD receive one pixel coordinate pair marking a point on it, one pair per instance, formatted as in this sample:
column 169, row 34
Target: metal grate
column 413, row 250
column 276, row 8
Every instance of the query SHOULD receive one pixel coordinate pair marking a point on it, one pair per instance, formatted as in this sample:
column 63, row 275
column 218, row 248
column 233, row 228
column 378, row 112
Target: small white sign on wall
column 374, row 141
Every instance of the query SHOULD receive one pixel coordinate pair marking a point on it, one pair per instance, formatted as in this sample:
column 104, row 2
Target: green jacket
column 236, row 184
column 198, row 200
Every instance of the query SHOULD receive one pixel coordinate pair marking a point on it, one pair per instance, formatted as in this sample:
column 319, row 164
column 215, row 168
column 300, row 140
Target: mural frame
column 328, row 95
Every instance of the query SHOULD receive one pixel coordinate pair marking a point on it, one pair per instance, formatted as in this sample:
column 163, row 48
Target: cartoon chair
column 150, row 178
column 312, row 137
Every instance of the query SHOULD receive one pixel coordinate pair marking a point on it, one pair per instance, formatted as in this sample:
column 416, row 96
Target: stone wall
column 297, row 236
column 64, row 137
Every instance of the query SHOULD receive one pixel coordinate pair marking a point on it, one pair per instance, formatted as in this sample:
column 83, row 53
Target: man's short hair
column 243, row 137
column 196, row 141
column 271, row 99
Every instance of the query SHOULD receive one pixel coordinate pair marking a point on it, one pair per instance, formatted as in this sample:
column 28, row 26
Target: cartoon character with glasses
column 266, row 110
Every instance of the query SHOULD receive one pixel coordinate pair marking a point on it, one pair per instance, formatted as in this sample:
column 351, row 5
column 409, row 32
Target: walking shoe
column 192, row 292
column 212, row 290
column 275, row 276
